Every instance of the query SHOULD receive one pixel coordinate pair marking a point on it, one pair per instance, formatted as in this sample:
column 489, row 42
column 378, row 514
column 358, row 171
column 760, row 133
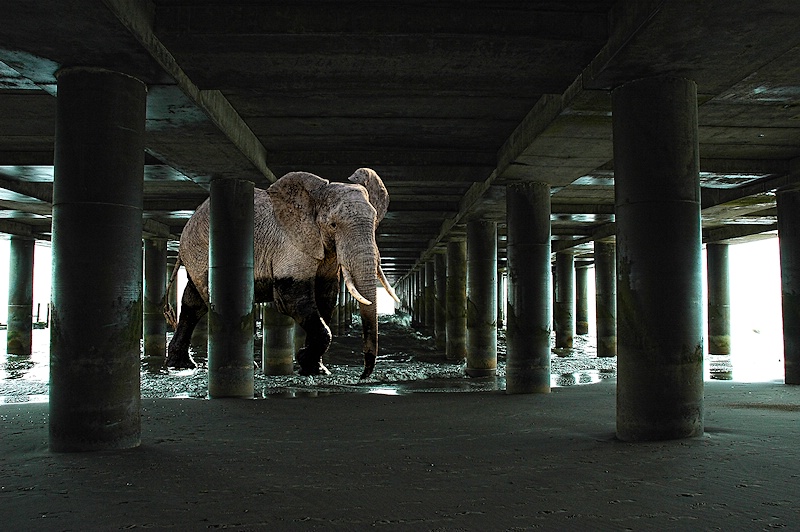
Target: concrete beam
column 138, row 18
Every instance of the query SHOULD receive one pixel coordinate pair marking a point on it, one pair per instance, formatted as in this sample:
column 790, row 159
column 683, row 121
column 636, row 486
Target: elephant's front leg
column 295, row 298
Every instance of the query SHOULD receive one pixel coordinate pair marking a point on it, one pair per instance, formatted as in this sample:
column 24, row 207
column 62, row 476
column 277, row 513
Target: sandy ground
column 406, row 455
column 421, row 461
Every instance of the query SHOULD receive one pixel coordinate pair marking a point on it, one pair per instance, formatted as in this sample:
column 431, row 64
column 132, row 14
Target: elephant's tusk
column 348, row 282
column 386, row 285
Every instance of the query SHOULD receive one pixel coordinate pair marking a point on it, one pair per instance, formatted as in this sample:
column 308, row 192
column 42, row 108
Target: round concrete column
column 96, row 314
column 481, row 298
column 20, row 296
column 581, row 299
column 659, row 290
column 529, row 293
column 789, row 238
column 199, row 340
column 456, row 300
column 605, row 283
column 430, row 295
column 719, row 300
column 172, row 297
column 155, row 284
column 230, row 287
column 565, row 299
column 440, row 310
column 278, row 342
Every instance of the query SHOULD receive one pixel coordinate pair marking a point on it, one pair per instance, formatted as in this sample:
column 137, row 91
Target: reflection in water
column 408, row 363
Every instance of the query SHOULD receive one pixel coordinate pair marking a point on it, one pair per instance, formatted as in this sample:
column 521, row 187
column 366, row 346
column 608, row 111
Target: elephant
column 307, row 232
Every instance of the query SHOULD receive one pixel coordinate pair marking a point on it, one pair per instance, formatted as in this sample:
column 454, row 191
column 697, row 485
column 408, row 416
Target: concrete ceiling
column 448, row 101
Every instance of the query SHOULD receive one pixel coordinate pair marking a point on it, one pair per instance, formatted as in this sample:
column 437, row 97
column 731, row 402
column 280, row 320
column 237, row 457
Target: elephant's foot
column 310, row 365
column 178, row 360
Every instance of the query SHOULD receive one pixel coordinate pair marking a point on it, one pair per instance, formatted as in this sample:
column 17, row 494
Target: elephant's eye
column 333, row 225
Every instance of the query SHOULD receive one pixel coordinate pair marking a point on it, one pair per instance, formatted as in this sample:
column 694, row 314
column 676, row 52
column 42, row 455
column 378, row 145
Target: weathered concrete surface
column 473, row 461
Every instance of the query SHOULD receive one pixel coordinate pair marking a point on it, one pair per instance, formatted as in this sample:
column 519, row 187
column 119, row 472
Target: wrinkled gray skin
column 307, row 231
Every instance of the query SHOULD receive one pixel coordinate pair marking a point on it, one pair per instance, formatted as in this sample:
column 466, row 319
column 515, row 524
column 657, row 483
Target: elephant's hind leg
column 193, row 308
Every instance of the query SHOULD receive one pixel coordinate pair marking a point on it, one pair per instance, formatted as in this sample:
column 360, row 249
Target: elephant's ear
column 378, row 195
column 294, row 205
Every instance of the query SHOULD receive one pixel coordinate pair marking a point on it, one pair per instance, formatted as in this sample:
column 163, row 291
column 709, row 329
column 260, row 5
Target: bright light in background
column 41, row 278
column 385, row 302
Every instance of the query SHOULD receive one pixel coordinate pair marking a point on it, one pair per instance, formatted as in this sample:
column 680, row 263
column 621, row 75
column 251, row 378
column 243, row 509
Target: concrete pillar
column 501, row 299
column 456, row 325
column 789, row 238
column 529, row 293
column 430, row 295
column 199, row 341
column 659, row 267
column 415, row 298
column 421, row 306
column 230, row 287
column 719, row 300
column 278, row 348
column 481, row 298
column 299, row 337
column 605, row 290
column 96, row 314
column 154, row 330
column 565, row 299
column 440, row 308
column 20, row 296
column 172, row 297
column 581, row 298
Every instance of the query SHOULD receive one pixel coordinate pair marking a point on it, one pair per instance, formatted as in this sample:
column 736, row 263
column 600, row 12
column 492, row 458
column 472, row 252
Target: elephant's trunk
column 360, row 261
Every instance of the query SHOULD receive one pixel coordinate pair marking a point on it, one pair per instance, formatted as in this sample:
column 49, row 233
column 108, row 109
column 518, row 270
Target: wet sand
column 408, row 362
column 311, row 455
column 421, row 461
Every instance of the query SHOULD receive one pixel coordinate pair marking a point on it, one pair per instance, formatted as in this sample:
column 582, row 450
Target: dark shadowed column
column 605, row 283
column 97, row 261
column 789, row 241
column 456, row 300
column 430, row 295
column 155, row 284
column 278, row 342
column 565, row 299
column 20, row 296
column 581, row 298
column 440, row 311
column 230, row 287
column 659, row 273
column 719, row 300
column 529, row 293
column 481, row 298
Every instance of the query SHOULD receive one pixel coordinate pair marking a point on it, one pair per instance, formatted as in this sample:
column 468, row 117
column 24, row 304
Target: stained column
column 154, row 330
column 440, row 310
column 719, row 300
column 605, row 291
column 96, row 316
column 529, row 293
column 230, row 287
column 172, row 297
column 456, row 300
column 789, row 241
column 581, row 298
column 564, row 299
column 481, row 298
column 659, row 290
column 277, row 343
column 20, row 296
column 430, row 295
